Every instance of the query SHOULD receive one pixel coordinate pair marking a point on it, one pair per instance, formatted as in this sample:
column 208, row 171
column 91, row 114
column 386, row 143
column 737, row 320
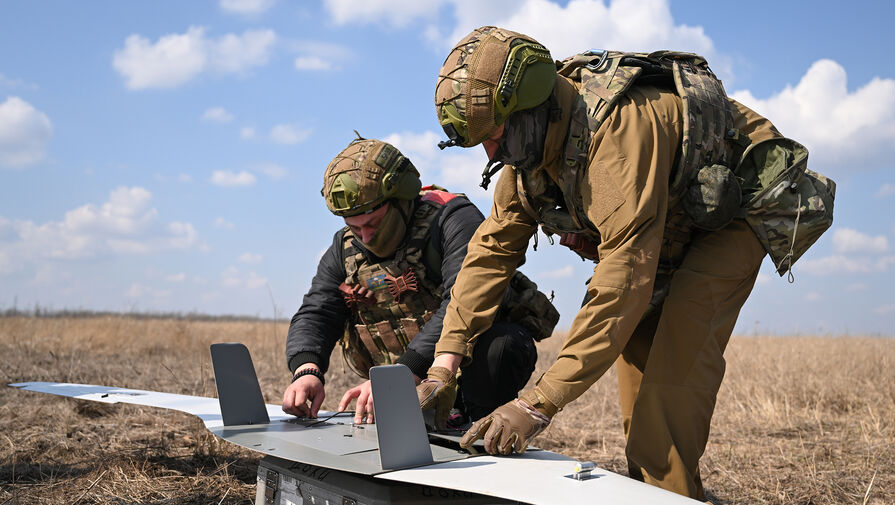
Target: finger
column 475, row 432
column 288, row 398
column 347, row 397
column 301, row 397
column 371, row 414
column 360, row 409
column 317, row 402
column 507, row 442
column 492, row 436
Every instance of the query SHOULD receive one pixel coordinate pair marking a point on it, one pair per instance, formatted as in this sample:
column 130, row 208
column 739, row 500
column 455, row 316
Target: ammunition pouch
column 524, row 305
column 713, row 199
column 788, row 206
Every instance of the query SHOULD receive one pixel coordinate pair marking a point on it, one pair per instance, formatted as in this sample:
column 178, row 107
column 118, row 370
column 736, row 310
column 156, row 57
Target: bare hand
column 304, row 397
column 364, row 408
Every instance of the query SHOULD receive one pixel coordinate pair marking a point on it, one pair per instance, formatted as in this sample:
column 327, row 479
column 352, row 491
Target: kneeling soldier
column 382, row 288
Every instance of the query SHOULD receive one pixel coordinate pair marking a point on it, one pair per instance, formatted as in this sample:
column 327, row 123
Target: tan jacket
column 625, row 195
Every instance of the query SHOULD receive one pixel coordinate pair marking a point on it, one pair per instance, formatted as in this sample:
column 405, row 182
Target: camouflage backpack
column 719, row 177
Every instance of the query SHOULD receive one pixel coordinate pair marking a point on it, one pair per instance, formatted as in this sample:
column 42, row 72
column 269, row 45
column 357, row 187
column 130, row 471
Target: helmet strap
column 491, row 168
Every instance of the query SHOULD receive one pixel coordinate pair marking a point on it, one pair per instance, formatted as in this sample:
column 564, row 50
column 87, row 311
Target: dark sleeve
column 452, row 231
column 320, row 321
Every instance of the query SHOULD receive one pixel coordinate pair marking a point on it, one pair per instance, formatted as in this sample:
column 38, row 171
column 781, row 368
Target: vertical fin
column 238, row 390
column 403, row 442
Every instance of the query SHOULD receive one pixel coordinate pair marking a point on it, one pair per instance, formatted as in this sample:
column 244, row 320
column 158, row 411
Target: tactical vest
column 602, row 78
column 402, row 297
column 403, row 293
column 719, row 175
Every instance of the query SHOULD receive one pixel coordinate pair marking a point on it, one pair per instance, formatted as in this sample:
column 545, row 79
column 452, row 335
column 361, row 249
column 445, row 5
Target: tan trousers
column 671, row 368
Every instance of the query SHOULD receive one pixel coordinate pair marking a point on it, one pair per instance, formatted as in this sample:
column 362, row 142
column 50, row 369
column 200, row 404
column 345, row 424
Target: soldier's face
column 364, row 226
column 491, row 144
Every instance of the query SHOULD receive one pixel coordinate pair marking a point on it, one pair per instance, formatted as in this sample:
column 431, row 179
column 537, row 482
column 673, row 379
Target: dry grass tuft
column 799, row 420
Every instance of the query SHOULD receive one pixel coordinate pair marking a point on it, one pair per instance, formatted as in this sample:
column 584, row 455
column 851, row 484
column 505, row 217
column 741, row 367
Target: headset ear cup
column 402, row 183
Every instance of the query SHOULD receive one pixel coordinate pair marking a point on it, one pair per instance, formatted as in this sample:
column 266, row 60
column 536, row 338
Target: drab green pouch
column 788, row 206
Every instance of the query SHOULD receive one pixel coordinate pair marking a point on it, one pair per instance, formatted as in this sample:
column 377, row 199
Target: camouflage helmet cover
column 488, row 75
column 366, row 174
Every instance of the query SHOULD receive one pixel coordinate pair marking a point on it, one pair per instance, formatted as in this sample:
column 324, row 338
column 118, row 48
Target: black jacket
column 320, row 321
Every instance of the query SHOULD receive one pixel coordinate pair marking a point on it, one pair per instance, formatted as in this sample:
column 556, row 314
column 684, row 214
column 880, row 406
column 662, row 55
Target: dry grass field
column 799, row 420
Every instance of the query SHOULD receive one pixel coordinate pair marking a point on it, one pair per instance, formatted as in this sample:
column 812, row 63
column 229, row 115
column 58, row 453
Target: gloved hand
column 438, row 391
column 509, row 428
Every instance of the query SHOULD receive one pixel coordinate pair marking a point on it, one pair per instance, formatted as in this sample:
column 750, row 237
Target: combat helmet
column 365, row 175
column 488, row 75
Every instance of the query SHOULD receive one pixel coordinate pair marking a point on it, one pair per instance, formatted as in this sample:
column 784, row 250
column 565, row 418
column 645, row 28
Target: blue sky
column 168, row 156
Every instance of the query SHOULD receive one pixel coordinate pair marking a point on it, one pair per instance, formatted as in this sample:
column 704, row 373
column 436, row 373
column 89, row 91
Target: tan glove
column 438, row 391
column 509, row 428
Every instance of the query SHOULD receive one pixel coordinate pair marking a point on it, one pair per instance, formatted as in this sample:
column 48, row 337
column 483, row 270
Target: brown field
column 806, row 420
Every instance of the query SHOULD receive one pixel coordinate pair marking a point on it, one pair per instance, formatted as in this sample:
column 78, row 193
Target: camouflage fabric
column 789, row 207
column 714, row 197
column 606, row 75
column 525, row 305
column 404, row 297
column 381, row 327
column 468, row 82
column 365, row 174
column 557, row 207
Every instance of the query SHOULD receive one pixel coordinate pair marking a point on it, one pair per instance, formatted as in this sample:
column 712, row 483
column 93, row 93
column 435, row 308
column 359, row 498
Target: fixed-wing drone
column 331, row 461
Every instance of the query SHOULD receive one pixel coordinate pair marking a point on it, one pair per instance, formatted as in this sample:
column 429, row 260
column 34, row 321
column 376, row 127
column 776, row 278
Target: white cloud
column 763, row 278
column 223, row 224
column 394, row 12
column 271, row 170
column 178, row 58
column 231, row 277
column 560, row 273
column 246, row 7
column 629, row 25
column 24, row 133
column 230, row 179
column 835, row 124
column 289, row 134
column 320, row 56
column 247, row 133
column 312, row 63
column 15, row 83
column 812, row 296
column 178, row 277
column 846, row 240
column 885, row 190
column 250, row 258
column 458, row 170
column 125, row 224
column 884, row 309
column 217, row 115
column 238, row 53
column 839, row 264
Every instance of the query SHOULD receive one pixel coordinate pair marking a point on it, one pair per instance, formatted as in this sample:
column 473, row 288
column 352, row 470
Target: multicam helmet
column 365, row 175
column 488, row 75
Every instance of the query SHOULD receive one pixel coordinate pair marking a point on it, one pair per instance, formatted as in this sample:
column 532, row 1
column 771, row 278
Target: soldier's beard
column 391, row 231
column 522, row 144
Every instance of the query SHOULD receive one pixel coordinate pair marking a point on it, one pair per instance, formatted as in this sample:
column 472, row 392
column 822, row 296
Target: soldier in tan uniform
column 382, row 287
column 628, row 158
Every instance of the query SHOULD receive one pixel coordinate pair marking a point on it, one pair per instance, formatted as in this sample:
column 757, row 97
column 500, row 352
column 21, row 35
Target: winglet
column 238, row 391
column 403, row 442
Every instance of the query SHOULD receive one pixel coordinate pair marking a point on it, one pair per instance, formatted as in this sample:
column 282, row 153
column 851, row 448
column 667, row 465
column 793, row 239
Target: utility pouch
column 355, row 354
column 526, row 306
column 714, row 197
column 788, row 206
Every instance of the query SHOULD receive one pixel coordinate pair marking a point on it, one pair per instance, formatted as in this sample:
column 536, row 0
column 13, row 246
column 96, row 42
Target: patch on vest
column 377, row 283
